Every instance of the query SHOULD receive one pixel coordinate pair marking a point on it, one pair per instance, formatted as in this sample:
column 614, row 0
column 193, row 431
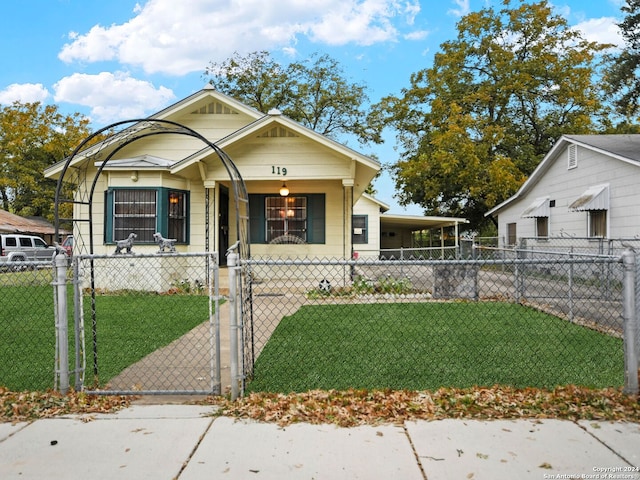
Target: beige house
column 303, row 188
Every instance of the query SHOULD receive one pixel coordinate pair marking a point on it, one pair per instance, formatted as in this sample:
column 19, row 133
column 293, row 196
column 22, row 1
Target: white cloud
column 177, row 38
column 602, row 30
column 462, row 10
column 23, row 93
column 112, row 96
column 417, row 35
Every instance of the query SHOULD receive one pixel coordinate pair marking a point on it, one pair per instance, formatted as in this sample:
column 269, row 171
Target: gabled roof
column 260, row 121
column 208, row 89
column 140, row 161
column 625, row 148
column 275, row 117
column 383, row 206
column 168, row 113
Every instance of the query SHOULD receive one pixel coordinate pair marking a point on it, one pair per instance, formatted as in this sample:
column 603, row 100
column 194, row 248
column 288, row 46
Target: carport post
column 630, row 323
column 62, row 333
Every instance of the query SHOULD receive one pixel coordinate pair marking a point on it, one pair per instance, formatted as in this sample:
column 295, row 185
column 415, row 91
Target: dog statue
column 163, row 243
column 126, row 244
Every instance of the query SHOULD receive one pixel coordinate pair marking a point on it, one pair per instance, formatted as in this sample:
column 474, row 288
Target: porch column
column 210, row 223
column 347, row 243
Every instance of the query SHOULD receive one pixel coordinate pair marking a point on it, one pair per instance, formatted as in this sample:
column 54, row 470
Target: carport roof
column 415, row 222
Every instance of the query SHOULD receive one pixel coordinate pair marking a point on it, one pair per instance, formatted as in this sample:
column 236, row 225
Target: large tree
column 476, row 123
column 33, row 137
column 622, row 78
column 313, row 92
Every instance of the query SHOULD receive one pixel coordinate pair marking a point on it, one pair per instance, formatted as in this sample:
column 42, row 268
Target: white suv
column 23, row 248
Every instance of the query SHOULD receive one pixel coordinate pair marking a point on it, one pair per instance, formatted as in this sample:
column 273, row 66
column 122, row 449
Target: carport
column 398, row 231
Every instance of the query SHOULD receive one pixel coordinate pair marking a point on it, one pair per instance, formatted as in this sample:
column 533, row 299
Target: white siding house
column 587, row 187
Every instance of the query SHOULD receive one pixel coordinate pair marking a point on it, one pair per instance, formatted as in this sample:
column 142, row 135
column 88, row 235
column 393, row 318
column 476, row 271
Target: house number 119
column 278, row 170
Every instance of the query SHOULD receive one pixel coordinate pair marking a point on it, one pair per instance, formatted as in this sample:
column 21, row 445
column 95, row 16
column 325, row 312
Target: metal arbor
column 95, row 148
column 100, row 148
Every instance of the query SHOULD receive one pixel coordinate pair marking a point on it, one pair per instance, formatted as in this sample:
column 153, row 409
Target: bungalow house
column 303, row 188
column 586, row 188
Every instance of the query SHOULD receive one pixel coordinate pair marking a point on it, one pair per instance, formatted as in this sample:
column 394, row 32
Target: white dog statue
column 126, row 244
column 163, row 243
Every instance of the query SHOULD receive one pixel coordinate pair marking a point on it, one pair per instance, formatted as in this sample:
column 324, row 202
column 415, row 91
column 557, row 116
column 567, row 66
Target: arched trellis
column 117, row 136
column 121, row 134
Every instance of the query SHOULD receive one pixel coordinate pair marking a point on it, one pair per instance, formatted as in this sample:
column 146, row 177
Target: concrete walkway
column 186, row 442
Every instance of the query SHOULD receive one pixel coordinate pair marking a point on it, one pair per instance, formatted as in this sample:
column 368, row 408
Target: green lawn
column 129, row 326
column 431, row 345
column 132, row 325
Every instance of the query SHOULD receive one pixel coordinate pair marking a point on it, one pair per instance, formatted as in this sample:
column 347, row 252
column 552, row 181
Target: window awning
column 539, row 208
column 594, row 198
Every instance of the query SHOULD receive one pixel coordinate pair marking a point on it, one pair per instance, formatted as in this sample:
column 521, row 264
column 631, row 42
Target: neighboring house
column 11, row 223
column 585, row 187
column 302, row 186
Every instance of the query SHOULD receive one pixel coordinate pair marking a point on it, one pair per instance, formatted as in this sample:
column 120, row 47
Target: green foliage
column 32, row 138
column 314, row 92
column 622, row 77
column 365, row 286
column 477, row 123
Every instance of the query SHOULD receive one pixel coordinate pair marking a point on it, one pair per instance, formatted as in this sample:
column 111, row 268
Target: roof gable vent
column 215, row 108
column 572, row 154
column 277, row 131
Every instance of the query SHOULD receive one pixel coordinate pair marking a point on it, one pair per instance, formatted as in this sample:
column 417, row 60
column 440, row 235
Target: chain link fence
column 539, row 247
column 151, row 323
column 27, row 336
column 426, row 324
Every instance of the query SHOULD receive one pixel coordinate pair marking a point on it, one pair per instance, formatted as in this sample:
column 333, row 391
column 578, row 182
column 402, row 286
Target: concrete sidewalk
column 187, row 443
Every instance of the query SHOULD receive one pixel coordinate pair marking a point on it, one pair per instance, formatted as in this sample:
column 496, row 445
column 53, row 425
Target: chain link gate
column 146, row 323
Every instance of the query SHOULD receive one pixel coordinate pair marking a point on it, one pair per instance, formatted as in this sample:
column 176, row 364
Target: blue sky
column 120, row 59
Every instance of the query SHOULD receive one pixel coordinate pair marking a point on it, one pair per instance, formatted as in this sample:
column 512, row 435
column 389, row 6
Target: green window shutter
column 162, row 212
column 108, row 214
column 257, row 220
column 316, row 218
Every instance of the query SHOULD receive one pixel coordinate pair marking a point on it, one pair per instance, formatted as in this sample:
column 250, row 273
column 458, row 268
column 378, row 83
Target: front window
column 145, row 212
column 134, row 211
column 286, row 216
column 178, row 216
column 598, row 223
column 360, row 230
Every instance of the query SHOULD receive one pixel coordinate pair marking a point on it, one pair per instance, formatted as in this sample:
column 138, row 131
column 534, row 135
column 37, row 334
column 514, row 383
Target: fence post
column 232, row 266
column 630, row 323
column 62, row 333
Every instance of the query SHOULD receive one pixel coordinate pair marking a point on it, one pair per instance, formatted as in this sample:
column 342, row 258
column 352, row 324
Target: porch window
column 145, row 212
column 301, row 218
column 286, row 216
column 360, row 230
